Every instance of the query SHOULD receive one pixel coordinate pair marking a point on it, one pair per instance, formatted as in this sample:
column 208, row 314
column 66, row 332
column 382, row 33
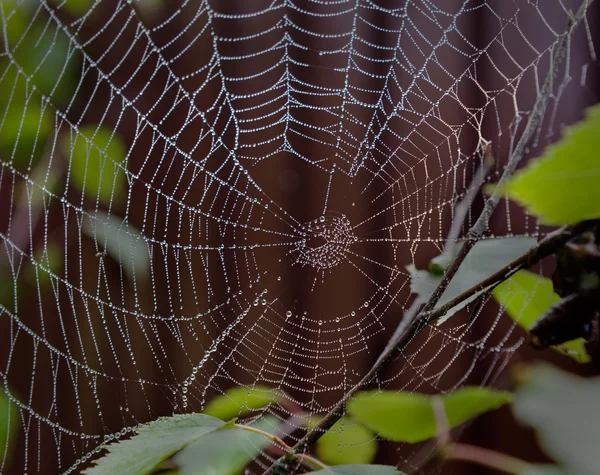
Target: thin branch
column 487, row 458
column 421, row 319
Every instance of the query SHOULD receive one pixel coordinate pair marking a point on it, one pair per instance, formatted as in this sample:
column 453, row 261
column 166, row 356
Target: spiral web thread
column 198, row 195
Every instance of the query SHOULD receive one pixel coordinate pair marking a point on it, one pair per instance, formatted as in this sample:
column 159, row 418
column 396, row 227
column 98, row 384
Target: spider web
column 198, row 195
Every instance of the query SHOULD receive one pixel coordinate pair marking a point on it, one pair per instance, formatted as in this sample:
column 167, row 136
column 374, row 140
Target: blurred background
column 197, row 195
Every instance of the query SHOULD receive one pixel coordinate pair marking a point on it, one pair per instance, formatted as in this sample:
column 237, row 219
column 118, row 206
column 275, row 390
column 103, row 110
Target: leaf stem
column 304, row 459
column 486, row 457
column 271, row 437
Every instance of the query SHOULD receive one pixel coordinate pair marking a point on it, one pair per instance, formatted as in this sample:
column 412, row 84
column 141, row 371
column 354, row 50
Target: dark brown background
column 135, row 342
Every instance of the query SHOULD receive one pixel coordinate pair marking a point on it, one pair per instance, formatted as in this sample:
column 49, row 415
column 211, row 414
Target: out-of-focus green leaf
column 563, row 410
column 486, row 258
column 225, row 452
column 525, row 297
column 24, row 130
column 358, row 470
column 470, row 401
column 561, row 187
column 44, row 55
column 408, row 417
column 347, row 442
column 9, row 426
column 153, row 444
column 542, row 469
column 95, row 154
column 122, row 241
column 74, row 8
column 49, row 261
column 239, row 401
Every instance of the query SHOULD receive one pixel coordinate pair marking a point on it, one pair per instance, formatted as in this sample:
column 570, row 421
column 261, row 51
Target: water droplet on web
column 353, row 313
column 320, row 322
column 288, row 313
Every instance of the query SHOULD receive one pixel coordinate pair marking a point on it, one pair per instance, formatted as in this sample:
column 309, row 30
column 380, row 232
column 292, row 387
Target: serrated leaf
column 154, row 443
column 359, row 470
column 485, row 259
column 239, row 401
column 561, row 187
column 96, row 153
column 226, row 451
column 525, row 297
column 122, row 241
column 563, row 410
column 408, row 417
column 347, row 442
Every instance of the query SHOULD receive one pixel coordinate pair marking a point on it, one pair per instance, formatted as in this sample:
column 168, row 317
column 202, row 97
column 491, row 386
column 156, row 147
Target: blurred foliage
column 121, row 241
column 240, row 401
column 408, row 417
column 563, row 410
column 95, row 154
column 347, row 442
column 525, row 297
column 561, row 187
column 9, row 427
column 487, row 257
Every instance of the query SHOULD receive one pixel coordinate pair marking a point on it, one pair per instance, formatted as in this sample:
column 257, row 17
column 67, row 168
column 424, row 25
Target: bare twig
column 427, row 314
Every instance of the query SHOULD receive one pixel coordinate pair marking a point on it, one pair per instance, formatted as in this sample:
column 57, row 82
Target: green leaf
column 409, row 417
column 525, row 297
column 46, row 57
column 24, row 131
column 563, row 410
column 226, row 451
column 239, row 401
column 470, row 401
column 122, row 241
column 561, row 187
column 9, row 426
column 96, row 152
column 359, row 470
column 153, row 444
column 485, row 259
column 542, row 469
column 347, row 442
column 74, row 8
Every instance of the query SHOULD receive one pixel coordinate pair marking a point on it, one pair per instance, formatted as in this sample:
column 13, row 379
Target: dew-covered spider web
column 198, row 195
